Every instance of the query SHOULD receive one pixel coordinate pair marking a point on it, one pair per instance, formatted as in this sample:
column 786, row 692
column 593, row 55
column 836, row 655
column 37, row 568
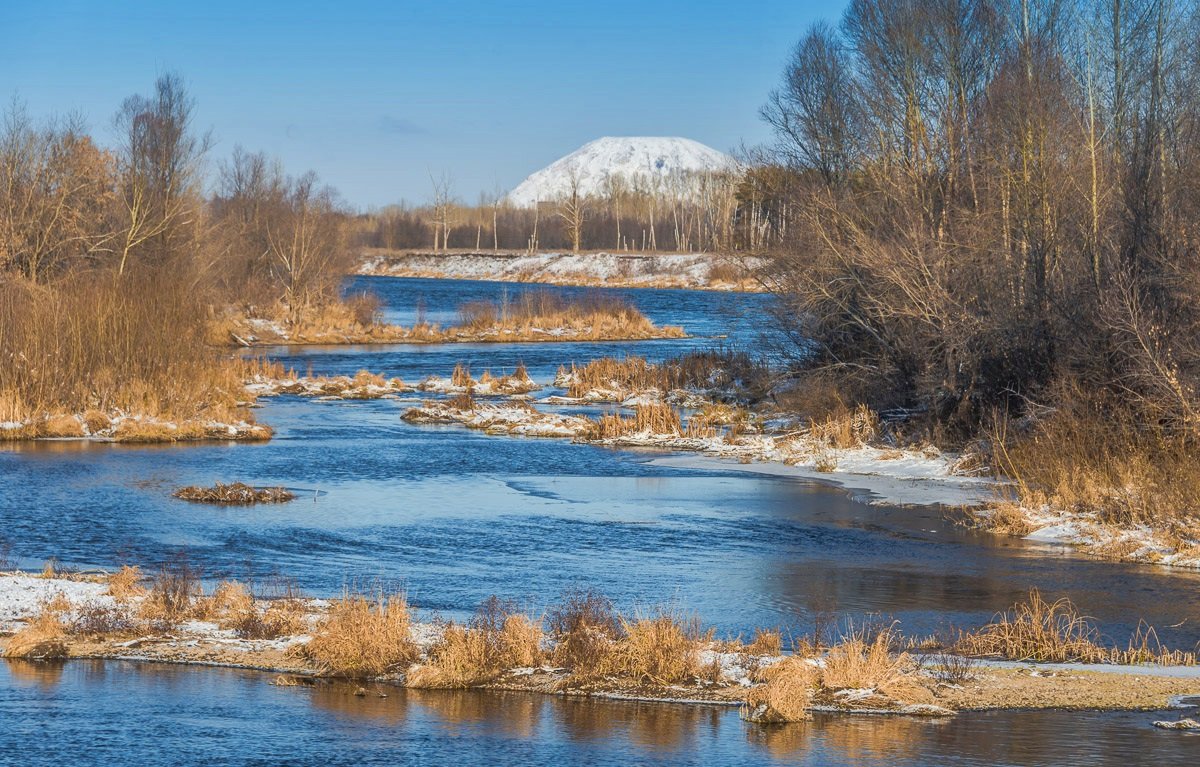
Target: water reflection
column 146, row 714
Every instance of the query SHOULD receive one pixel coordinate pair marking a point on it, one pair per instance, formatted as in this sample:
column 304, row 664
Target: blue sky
column 376, row 96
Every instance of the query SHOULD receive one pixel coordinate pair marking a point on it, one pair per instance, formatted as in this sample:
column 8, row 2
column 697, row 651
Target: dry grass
column 172, row 594
column 865, row 661
column 97, row 344
column 99, row 620
column 42, row 639
column 531, row 314
column 844, row 428
column 234, row 494
column 1055, row 632
column 497, row 639
column 364, row 636
column 125, row 583
column 765, row 642
column 654, row 418
column 1099, row 458
column 619, row 377
column 1036, row 630
column 662, row 649
column 785, row 694
column 585, row 629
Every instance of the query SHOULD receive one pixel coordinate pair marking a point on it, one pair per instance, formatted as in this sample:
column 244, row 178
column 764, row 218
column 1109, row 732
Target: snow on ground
column 23, row 596
column 614, row 269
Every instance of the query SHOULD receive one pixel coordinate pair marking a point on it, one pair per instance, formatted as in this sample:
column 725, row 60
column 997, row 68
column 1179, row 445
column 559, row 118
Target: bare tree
column 159, row 163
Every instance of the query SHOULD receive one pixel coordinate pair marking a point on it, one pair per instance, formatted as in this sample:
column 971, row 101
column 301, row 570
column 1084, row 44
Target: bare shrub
column 100, row 620
column 365, row 308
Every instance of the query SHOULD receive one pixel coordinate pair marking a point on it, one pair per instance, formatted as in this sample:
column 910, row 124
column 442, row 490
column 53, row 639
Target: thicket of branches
column 990, row 203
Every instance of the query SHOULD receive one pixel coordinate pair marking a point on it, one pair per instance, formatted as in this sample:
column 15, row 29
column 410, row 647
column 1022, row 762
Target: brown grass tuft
column 364, row 636
column 786, row 692
column 42, row 639
column 585, row 629
column 497, row 639
column 125, row 583
column 662, row 650
column 861, row 661
column 1036, row 630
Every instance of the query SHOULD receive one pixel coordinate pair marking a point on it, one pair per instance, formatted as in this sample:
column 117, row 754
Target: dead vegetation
column 1045, row 631
column 499, row 638
column 364, row 636
column 234, row 494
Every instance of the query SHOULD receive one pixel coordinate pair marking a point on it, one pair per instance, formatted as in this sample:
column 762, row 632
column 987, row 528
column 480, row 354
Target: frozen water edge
column 875, row 488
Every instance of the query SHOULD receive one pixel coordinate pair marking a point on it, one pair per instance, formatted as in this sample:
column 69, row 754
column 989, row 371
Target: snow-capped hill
column 664, row 165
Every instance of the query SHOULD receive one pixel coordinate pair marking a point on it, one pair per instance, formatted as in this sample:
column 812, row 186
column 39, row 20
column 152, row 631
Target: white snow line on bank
column 921, row 488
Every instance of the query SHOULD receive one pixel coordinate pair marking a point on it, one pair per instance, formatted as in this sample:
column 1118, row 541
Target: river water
column 454, row 516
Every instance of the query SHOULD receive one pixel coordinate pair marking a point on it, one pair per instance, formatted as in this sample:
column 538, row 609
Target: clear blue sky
column 375, row 96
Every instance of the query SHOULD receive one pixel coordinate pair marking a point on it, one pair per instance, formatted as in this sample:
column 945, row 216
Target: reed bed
column 93, row 345
column 652, row 418
column 497, row 639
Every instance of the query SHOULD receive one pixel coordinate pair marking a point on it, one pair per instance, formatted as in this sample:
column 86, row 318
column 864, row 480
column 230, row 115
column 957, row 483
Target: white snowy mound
column 660, row 165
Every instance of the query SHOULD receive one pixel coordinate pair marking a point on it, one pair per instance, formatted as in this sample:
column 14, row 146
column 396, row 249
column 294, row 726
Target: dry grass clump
column 844, row 428
column 861, row 661
column 1036, row 630
column 172, row 594
column 653, row 418
column 42, row 639
column 234, row 493
column 497, row 639
column 620, row 377
column 364, row 636
column 101, row 344
column 585, row 629
column 785, row 694
column 765, row 642
column 125, row 583
column 228, row 598
column 662, row 649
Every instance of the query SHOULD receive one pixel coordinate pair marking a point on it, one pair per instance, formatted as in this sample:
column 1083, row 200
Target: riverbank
column 697, row 271
column 588, row 649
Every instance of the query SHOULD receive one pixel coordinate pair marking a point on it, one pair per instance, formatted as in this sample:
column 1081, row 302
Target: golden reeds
column 364, row 636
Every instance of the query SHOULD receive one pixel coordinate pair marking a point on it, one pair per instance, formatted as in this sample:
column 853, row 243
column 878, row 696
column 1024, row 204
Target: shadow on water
column 120, row 712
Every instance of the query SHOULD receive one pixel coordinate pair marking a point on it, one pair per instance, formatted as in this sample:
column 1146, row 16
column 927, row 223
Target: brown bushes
column 172, row 594
column 364, row 636
column 844, row 428
column 234, row 494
